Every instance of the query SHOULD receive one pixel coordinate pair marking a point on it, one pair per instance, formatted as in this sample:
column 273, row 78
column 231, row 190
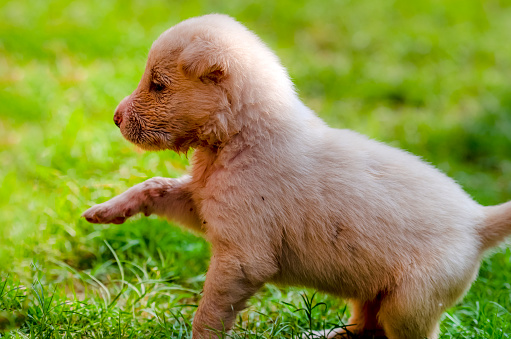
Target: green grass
column 430, row 76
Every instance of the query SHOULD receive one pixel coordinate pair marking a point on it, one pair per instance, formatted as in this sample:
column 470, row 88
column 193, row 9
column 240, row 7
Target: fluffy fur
column 283, row 198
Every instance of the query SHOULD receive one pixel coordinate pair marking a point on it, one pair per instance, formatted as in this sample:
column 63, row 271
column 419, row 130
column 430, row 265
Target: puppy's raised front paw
column 108, row 213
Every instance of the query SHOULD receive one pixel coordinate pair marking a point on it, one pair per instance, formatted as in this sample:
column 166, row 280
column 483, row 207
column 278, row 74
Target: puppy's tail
column 497, row 225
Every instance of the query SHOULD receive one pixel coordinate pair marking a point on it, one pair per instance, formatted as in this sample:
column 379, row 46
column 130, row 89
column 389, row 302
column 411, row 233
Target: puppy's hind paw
column 324, row 334
column 341, row 333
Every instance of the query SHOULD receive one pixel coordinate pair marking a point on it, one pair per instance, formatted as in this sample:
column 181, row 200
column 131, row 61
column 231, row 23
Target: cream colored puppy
column 284, row 198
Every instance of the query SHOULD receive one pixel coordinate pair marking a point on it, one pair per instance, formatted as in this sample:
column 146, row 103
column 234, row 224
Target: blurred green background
column 432, row 77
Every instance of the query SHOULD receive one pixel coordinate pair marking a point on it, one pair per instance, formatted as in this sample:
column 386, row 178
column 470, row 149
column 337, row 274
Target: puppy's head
column 198, row 75
column 182, row 100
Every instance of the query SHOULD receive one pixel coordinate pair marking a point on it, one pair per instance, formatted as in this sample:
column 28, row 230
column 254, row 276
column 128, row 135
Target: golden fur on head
column 284, row 198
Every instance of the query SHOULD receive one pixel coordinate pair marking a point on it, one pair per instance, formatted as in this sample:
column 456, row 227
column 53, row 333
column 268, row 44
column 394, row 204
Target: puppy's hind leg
column 363, row 322
column 408, row 313
column 364, row 319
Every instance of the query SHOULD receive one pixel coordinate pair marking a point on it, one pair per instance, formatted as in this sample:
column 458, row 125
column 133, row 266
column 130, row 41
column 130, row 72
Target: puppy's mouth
column 136, row 131
column 152, row 142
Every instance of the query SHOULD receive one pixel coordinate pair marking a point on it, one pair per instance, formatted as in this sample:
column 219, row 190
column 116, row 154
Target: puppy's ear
column 204, row 60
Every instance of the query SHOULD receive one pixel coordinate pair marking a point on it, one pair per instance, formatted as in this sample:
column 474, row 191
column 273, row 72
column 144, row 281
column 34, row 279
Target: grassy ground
column 428, row 76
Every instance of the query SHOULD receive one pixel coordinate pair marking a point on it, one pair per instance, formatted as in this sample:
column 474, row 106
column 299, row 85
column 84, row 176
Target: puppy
column 285, row 199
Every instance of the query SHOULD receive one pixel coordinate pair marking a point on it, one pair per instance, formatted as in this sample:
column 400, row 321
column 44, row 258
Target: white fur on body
column 284, row 198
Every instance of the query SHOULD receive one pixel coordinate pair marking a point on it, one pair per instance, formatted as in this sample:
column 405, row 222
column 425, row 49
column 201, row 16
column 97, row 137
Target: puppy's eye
column 157, row 87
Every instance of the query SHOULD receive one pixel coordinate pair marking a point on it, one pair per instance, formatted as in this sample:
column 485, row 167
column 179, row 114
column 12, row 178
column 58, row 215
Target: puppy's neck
column 259, row 130
column 207, row 157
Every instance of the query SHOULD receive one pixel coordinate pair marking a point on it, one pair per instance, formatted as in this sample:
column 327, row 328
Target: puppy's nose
column 117, row 118
column 119, row 111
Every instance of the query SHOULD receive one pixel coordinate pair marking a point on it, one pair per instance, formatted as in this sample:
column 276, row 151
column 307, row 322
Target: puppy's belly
column 362, row 265
column 335, row 270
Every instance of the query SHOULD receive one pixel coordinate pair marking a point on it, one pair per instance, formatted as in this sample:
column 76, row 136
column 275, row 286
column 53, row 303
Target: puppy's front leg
column 162, row 196
column 227, row 288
